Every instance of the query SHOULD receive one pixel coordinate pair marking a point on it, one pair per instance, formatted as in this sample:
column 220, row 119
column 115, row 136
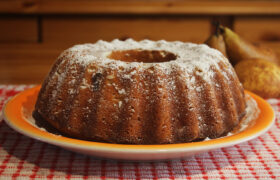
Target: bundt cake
column 146, row 92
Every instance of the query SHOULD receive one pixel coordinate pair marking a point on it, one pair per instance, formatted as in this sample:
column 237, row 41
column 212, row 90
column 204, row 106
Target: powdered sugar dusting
column 194, row 61
column 189, row 56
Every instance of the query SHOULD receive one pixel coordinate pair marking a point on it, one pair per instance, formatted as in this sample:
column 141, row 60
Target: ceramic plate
column 18, row 114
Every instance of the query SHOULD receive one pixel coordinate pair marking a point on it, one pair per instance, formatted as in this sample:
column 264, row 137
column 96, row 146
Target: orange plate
column 18, row 110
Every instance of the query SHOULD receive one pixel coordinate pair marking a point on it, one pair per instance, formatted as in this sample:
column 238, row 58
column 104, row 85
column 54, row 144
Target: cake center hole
column 145, row 56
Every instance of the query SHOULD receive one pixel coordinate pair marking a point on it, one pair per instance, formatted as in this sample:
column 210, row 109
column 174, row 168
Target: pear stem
column 217, row 31
column 221, row 29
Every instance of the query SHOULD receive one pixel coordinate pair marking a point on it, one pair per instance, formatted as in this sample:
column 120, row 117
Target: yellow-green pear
column 216, row 41
column 259, row 76
column 239, row 49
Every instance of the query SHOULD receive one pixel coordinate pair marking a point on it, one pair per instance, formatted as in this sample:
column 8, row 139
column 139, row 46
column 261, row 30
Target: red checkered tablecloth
column 25, row 158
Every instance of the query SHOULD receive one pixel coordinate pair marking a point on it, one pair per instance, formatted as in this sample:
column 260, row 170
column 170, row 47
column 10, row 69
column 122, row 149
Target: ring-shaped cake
column 146, row 92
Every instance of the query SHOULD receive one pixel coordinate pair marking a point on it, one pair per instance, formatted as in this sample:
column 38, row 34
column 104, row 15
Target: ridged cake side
column 142, row 103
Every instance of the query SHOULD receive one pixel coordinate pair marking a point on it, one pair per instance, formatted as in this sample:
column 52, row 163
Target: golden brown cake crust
column 181, row 92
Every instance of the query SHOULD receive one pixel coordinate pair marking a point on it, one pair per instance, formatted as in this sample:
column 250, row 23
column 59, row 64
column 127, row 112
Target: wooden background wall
column 34, row 32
